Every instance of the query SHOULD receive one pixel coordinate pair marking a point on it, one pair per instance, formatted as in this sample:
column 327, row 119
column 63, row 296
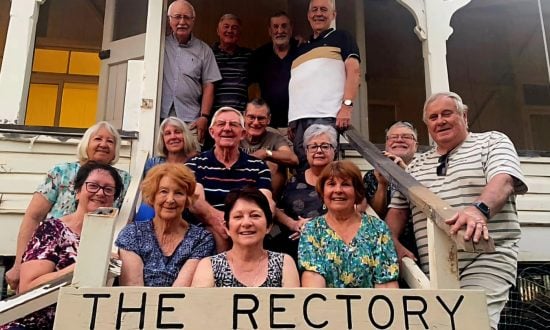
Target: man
column 224, row 168
column 479, row 174
column 401, row 146
column 267, row 144
column 325, row 77
column 270, row 66
column 190, row 71
column 233, row 61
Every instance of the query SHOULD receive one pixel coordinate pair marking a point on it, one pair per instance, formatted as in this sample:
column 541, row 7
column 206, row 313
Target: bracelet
column 207, row 116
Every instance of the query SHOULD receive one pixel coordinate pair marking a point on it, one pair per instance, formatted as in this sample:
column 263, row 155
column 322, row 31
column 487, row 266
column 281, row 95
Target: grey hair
column 183, row 2
column 460, row 106
column 258, row 103
column 227, row 109
column 319, row 129
column 332, row 3
column 190, row 143
column 82, row 149
column 232, row 17
column 405, row 124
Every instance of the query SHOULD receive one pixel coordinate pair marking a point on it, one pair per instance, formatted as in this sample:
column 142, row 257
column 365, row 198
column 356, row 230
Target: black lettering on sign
column 451, row 312
column 306, row 316
column 96, row 297
column 162, row 309
column 407, row 312
column 348, row 298
column 371, row 314
column 250, row 312
column 274, row 310
column 140, row 310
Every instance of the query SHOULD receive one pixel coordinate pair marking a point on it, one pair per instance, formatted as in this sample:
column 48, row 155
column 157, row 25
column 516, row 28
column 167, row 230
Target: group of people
column 214, row 212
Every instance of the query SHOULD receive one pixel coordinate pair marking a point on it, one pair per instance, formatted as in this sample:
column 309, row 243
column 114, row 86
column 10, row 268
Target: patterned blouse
column 58, row 188
column 52, row 241
column 224, row 277
column 369, row 259
column 158, row 269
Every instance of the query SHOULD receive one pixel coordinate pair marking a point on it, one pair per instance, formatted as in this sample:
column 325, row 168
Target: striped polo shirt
column 470, row 166
column 218, row 180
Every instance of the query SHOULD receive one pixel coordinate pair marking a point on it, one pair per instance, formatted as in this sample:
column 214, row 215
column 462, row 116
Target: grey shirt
column 187, row 67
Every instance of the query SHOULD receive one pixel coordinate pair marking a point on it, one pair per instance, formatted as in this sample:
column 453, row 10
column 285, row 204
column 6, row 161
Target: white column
column 17, row 62
column 433, row 19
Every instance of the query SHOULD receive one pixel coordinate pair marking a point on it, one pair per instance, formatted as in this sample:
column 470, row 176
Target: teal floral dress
column 369, row 259
column 58, row 188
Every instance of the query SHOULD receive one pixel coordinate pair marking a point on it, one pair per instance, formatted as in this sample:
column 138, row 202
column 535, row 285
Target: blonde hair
column 179, row 173
column 82, row 149
column 190, row 143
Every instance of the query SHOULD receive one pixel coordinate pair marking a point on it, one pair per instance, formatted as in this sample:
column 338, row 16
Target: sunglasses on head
column 441, row 169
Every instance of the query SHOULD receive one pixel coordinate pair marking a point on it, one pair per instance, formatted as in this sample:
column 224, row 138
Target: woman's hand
column 298, row 227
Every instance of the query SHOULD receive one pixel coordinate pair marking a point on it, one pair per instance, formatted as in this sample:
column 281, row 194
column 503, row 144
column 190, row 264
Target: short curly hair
column 181, row 175
column 343, row 169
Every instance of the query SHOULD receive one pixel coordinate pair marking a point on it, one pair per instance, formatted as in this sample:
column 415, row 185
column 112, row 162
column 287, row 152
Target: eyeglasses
column 395, row 137
column 261, row 119
column 323, row 146
column 181, row 17
column 93, row 187
column 441, row 169
column 222, row 123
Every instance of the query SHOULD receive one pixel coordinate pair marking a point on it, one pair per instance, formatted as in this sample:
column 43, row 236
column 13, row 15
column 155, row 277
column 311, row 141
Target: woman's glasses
column 323, row 146
column 93, row 187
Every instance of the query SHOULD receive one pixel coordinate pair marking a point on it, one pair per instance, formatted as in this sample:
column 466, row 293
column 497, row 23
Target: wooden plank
column 46, row 145
column 14, row 202
column 413, row 275
column 535, row 160
column 532, row 245
column 11, row 183
column 534, row 217
column 538, row 184
column 269, row 308
column 94, row 250
column 532, row 202
column 41, row 163
column 535, row 169
column 8, row 235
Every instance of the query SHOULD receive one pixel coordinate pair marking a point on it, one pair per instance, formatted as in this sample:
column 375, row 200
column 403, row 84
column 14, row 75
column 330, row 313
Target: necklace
column 241, row 274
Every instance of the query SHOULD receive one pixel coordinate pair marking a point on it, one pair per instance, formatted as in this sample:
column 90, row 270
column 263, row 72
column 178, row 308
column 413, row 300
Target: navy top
column 218, row 180
column 158, row 269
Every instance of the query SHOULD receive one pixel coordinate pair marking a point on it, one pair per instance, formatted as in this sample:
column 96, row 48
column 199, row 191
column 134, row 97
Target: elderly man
column 270, row 66
column 401, row 146
column 267, row 144
column 325, row 77
column 479, row 174
column 224, row 168
column 190, row 71
column 233, row 61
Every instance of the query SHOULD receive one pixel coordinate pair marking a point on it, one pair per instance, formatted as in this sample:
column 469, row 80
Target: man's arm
column 379, row 201
column 495, row 194
column 283, row 156
column 351, row 86
column 396, row 219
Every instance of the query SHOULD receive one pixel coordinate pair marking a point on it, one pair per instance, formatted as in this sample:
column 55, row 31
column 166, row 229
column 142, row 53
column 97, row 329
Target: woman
column 299, row 201
column 52, row 251
column 166, row 250
column 248, row 219
column 54, row 198
column 344, row 248
column 175, row 144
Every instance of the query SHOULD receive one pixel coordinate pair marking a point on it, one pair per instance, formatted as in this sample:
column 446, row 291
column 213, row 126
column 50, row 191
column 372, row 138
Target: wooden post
column 94, row 251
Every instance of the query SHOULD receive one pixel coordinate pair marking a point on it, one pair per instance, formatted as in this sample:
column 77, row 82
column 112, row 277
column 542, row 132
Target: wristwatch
column 269, row 153
column 483, row 208
column 347, row 102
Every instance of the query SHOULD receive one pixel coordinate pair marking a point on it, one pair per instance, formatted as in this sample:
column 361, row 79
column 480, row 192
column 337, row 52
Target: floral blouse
column 369, row 259
column 58, row 188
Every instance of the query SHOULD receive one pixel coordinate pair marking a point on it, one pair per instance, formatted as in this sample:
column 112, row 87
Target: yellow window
column 78, row 106
column 84, row 63
column 48, row 60
column 41, row 105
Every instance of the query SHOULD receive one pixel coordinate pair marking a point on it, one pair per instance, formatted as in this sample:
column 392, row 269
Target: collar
column 322, row 35
column 189, row 43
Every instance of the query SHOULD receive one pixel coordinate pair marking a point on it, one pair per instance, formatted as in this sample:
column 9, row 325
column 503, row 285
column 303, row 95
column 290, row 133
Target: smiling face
column 170, row 199
column 247, row 223
column 91, row 201
column 317, row 157
column 173, row 138
column 320, row 15
column 401, row 141
column 182, row 20
column 446, row 125
column 256, row 119
column 101, row 147
column 229, row 32
column 339, row 194
column 226, row 130
column 280, row 30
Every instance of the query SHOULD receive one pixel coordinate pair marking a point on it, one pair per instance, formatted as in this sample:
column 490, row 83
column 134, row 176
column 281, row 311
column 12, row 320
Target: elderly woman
column 344, row 248
column 248, row 219
column 52, row 251
column 175, row 144
column 166, row 250
column 55, row 197
column 299, row 201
